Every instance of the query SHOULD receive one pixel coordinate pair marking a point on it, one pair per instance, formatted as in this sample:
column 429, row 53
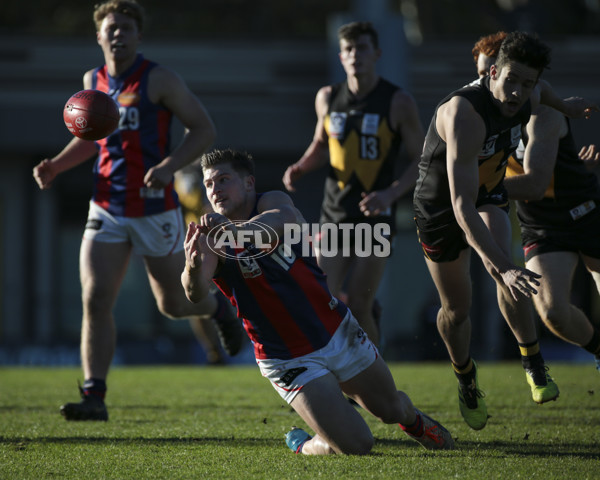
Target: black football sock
column 416, row 428
column 95, row 387
column 531, row 356
column 465, row 373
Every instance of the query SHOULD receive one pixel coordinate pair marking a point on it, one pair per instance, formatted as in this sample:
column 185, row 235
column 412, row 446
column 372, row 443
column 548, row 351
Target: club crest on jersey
column 515, row 136
column 128, row 98
column 370, row 124
column 489, row 147
column 248, row 266
column 337, row 124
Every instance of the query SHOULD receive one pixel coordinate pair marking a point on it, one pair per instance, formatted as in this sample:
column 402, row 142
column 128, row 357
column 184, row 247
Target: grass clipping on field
column 228, row 422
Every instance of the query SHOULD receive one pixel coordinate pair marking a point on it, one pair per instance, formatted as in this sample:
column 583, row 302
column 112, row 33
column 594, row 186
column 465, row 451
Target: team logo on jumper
column 515, row 136
column 337, row 124
column 489, row 147
column 370, row 124
column 129, row 98
column 248, row 265
column 256, row 239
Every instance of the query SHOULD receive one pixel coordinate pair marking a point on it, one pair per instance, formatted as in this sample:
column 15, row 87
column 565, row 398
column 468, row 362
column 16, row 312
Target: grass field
column 227, row 422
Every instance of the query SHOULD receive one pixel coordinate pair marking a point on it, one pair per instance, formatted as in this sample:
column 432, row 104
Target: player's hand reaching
column 578, row 107
column 158, row 177
column 196, row 247
column 374, row 203
column 590, row 156
column 521, row 281
column 209, row 221
column 44, row 174
column 291, row 175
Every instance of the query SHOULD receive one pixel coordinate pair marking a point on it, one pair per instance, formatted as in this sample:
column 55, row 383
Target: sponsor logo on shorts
column 431, row 249
column 167, row 229
column 288, row 377
column 528, row 248
column 93, row 224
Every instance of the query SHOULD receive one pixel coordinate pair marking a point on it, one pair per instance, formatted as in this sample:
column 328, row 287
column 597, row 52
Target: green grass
column 207, row 423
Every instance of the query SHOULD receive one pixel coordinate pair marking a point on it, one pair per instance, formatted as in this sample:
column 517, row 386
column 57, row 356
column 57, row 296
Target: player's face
column 118, row 37
column 359, row 56
column 483, row 65
column 512, row 86
column 227, row 190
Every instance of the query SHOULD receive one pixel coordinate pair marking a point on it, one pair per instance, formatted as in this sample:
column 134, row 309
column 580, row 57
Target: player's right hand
column 590, row 156
column 44, row 174
column 291, row 175
column 521, row 281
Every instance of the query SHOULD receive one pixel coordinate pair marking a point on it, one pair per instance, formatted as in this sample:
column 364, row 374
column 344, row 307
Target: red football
column 91, row 115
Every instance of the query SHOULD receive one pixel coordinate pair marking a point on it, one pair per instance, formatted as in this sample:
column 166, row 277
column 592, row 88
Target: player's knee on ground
column 358, row 445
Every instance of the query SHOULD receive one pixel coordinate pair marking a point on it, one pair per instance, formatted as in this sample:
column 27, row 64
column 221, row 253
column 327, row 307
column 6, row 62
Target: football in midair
column 91, row 115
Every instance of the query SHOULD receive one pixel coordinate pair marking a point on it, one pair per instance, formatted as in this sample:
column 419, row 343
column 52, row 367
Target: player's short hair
column 488, row 45
column 125, row 7
column 523, row 48
column 241, row 162
column 351, row 31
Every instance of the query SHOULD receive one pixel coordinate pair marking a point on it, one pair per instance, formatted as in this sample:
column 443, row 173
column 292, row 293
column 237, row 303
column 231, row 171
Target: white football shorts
column 348, row 353
column 153, row 235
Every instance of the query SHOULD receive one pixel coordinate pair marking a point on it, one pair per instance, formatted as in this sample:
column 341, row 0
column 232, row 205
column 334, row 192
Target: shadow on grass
column 583, row 451
column 230, row 441
column 174, row 407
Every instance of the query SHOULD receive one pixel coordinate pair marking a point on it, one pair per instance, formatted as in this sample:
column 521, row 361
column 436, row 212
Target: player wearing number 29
column 362, row 124
column 134, row 207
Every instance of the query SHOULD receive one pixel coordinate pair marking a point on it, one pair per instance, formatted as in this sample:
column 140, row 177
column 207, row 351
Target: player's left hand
column 521, row 281
column 590, row 156
column 209, row 221
column 580, row 107
column 374, row 203
column 158, row 177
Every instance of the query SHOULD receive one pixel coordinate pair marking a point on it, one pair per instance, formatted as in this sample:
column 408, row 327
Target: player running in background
column 362, row 124
column 306, row 342
column 557, row 205
column 460, row 203
column 134, row 207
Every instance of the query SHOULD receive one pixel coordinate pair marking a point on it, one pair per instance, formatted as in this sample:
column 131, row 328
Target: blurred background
column 257, row 66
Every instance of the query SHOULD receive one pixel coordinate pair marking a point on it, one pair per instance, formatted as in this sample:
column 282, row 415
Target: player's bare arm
column 404, row 116
column 464, row 133
column 276, row 209
column 544, row 130
column 167, row 88
column 317, row 154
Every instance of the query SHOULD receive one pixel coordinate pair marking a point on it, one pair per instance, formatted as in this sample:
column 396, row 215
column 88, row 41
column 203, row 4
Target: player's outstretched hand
column 521, row 281
column 291, row 175
column 590, row 156
column 580, row 107
column 44, row 174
